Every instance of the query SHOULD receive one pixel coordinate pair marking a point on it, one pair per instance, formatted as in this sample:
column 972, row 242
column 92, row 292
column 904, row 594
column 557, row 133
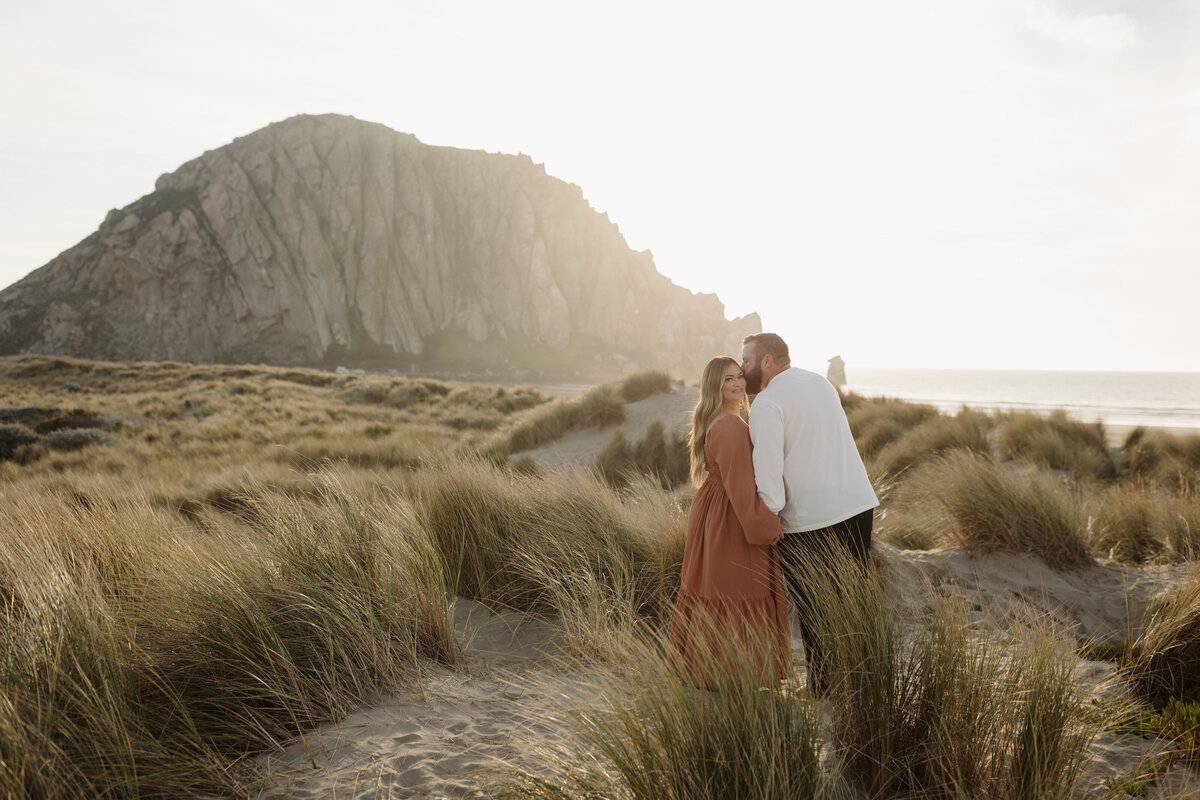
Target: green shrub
column 15, row 437
column 77, row 438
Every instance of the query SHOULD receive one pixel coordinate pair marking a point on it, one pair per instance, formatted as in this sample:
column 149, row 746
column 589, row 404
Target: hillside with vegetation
column 202, row 566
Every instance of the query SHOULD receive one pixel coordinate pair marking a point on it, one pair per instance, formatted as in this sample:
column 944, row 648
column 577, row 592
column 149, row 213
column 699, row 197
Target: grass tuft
column 640, row 385
column 990, row 508
column 1057, row 442
column 925, row 705
column 967, row 430
column 1166, row 663
column 651, row 735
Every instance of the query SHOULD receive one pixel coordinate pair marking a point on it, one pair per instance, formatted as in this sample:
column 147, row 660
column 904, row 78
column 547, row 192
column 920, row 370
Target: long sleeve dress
column 731, row 600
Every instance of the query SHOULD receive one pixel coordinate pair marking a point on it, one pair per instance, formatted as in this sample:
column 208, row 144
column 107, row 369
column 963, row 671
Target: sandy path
column 579, row 447
column 433, row 742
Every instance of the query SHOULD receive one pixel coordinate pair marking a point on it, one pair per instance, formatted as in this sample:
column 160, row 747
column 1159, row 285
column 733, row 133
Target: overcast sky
column 929, row 183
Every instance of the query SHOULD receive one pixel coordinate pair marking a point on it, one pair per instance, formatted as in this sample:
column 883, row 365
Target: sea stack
column 836, row 374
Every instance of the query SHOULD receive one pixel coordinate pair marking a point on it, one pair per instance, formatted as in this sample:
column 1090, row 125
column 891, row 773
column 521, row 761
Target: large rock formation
column 325, row 239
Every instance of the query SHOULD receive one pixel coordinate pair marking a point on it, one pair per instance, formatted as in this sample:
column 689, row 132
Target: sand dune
column 434, row 740
column 429, row 742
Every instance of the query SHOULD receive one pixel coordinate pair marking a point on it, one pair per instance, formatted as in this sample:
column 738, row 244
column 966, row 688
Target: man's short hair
column 768, row 344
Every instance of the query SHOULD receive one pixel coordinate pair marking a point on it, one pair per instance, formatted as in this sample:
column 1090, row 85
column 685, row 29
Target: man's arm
column 766, row 432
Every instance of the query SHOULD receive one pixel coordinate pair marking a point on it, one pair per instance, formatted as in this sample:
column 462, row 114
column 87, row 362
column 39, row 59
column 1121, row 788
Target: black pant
column 853, row 536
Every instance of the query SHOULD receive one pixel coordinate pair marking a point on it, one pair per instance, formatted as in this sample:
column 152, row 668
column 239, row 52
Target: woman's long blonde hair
column 708, row 408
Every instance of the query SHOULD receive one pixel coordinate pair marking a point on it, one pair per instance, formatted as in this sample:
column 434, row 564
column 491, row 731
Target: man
column 808, row 471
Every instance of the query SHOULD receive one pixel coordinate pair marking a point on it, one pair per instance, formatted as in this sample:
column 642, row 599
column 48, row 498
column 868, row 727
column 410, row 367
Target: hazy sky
column 929, row 183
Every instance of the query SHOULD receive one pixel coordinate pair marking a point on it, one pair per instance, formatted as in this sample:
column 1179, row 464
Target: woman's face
column 733, row 386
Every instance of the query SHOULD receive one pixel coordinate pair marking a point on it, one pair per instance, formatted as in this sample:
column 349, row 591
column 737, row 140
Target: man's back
column 806, row 464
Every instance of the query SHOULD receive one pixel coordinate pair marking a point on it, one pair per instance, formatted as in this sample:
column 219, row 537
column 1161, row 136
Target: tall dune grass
column 967, row 430
column 191, row 594
column 877, row 423
column 142, row 660
column 649, row 734
column 1058, row 442
column 1127, row 524
column 1181, row 523
column 990, row 508
column 1166, row 661
column 663, row 458
column 924, row 704
column 1168, row 462
column 599, row 407
column 534, row 543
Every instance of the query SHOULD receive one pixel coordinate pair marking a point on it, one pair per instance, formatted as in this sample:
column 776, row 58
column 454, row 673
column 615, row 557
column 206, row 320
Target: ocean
column 1165, row 399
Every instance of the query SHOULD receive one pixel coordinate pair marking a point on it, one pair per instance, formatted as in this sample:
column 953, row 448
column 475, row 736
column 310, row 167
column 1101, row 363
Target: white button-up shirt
column 806, row 465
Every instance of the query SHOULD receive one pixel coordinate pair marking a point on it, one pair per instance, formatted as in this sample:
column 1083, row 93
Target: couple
column 798, row 492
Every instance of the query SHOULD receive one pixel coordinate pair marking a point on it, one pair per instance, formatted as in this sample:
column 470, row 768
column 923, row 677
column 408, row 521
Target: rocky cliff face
column 323, row 239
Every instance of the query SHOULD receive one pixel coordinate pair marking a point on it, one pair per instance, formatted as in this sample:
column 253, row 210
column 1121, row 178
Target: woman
column 731, row 597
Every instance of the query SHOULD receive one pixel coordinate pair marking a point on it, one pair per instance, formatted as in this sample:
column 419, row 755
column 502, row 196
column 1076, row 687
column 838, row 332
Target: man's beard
column 753, row 380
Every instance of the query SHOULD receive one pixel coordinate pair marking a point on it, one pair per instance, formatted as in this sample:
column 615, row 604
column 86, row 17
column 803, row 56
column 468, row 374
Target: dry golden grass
column 1057, row 442
column 1047, row 476
column 252, row 550
column 239, row 554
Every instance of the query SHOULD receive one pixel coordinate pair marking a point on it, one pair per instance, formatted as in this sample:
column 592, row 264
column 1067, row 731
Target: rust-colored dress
column 731, row 595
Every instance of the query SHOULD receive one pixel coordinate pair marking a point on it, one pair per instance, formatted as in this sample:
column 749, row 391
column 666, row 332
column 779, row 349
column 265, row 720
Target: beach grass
column 877, row 423
column 143, row 658
column 925, row 703
column 242, row 553
column 1057, row 442
column 968, row 430
column 561, row 544
column 985, row 507
column 661, row 457
column 650, row 734
column 1162, row 460
column 1166, row 663
column 1128, row 524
